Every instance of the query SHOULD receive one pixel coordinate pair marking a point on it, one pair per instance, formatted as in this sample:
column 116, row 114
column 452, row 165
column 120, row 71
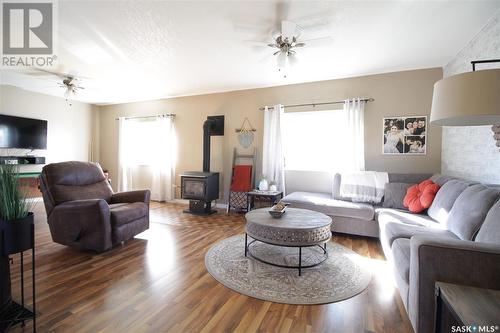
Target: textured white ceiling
column 140, row 50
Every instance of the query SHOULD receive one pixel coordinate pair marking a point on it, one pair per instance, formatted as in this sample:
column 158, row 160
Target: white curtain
column 124, row 168
column 163, row 168
column 272, row 156
column 146, row 155
column 355, row 142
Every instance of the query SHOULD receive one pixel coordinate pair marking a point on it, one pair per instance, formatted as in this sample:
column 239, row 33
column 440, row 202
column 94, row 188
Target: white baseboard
column 221, row 205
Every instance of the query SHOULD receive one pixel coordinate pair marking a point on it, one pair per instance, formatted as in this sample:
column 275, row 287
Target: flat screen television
column 25, row 133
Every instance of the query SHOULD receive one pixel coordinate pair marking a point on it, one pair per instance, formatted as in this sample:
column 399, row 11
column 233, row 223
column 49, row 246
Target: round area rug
column 337, row 278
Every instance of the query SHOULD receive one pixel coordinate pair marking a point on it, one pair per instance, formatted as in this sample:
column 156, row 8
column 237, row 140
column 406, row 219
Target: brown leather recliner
column 82, row 210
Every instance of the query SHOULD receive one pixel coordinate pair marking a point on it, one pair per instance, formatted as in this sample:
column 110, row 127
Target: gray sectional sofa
column 457, row 240
column 348, row 217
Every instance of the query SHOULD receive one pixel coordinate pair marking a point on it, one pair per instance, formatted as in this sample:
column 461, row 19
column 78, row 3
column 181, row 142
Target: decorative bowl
column 277, row 213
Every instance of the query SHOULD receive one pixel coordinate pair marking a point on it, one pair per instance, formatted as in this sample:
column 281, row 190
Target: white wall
column 470, row 152
column 71, row 129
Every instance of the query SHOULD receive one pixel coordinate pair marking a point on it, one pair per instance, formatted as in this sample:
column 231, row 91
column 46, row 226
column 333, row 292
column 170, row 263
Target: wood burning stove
column 202, row 187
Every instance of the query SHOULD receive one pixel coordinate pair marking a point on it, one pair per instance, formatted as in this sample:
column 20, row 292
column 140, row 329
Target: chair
column 82, row 210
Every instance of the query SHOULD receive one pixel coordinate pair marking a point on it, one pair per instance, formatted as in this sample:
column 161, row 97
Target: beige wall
column 395, row 94
column 71, row 129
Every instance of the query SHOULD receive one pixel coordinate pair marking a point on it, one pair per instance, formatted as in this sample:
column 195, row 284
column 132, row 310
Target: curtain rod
column 366, row 100
column 160, row 115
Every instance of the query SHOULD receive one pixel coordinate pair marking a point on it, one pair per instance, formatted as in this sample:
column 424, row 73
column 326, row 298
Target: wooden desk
column 458, row 305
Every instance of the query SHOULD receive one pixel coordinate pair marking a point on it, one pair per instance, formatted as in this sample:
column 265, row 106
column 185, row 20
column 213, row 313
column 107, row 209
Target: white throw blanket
column 364, row 186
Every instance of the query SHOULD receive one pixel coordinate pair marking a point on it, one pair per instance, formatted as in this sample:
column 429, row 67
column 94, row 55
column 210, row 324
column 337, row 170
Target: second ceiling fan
column 286, row 42
column 289, row 34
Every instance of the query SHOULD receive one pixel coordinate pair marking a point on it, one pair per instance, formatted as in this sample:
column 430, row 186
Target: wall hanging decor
column 405, row 135
column 245, row 133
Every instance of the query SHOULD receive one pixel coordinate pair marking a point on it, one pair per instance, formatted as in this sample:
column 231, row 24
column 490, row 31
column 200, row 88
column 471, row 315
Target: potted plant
column 16, row 225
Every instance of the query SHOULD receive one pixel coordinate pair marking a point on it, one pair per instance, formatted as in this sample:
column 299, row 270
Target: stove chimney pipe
column 207, row 128
column 214, row 125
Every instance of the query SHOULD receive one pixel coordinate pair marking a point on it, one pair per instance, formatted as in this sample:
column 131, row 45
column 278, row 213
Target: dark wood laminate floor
column 158, row 283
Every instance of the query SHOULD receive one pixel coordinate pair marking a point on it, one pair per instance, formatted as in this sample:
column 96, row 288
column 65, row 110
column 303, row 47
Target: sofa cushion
column 445, row 198
column 63, row 193
column 419, row 197
column 470, row 210
column 385, row 215
column 394, row 194
column 354, row 226
column 401, row 257
column 122, row 214
column 490, row 230
column 326, row 204
column 441, row 179
column 73, row 173
column 394, row 230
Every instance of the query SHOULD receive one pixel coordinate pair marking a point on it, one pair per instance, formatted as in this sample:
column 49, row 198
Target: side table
column 272, row 197
column 476, row 309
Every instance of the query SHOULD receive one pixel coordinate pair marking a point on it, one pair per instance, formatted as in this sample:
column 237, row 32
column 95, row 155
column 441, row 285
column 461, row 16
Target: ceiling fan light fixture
column 281, row 60
column 67, row 93
column 292, row 59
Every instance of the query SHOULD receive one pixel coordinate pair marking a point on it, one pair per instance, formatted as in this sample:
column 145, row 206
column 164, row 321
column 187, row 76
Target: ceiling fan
column 69, row 81
column 286, row 42
column 287, row 34
column 71, row 84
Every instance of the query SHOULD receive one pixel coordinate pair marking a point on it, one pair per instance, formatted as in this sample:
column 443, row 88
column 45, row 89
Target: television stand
column 21, row 160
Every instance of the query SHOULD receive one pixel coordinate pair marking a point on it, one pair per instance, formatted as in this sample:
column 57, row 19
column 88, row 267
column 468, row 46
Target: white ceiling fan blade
column 258, row 47
column 46, row 79
column 318, row 42
column 282, row 11
column 255, row 43
column 59, row 73
column 288, row 29
column 34, row 71
column 314, row 23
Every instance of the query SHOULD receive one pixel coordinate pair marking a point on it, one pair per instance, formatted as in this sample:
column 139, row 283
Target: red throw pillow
column 419, row 197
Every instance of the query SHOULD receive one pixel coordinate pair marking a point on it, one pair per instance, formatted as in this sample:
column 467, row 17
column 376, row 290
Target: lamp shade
column 468, row 99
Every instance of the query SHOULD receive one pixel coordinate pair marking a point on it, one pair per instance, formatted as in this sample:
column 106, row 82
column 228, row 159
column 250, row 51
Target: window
column 142, row 141
column 314, row 141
